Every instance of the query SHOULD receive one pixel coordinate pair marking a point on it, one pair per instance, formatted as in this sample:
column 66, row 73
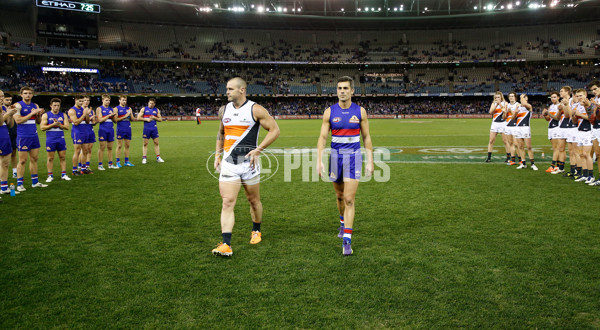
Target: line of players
column 82, row 117
column 574, row 120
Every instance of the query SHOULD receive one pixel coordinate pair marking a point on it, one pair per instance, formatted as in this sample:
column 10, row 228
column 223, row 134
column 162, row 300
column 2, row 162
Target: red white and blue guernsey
column 106, row 132
column 345, row 160
column 150, row 128
column 5, row 144
column 55, row 136
column 123, row 126
column 27, row 136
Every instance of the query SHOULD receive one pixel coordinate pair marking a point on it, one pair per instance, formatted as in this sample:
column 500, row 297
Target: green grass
column 439, row 245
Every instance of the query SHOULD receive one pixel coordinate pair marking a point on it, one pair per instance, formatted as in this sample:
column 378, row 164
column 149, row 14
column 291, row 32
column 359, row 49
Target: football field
column 444, row 240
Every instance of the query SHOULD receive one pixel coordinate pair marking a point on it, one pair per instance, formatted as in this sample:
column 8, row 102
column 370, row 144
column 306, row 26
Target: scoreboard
column 69, row 5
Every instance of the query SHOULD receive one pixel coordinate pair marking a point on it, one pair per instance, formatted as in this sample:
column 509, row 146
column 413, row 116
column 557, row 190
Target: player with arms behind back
column 237, row 143
column 348, row 122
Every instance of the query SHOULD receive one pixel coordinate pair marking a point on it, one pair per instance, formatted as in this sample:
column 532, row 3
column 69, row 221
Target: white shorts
column 243, row 171
column 562, row 133
column 570, row 134
column 522, row 132
column 509, row 130
column 596, row 134
column 498, row 127
column 554, row 133
column 584, row 139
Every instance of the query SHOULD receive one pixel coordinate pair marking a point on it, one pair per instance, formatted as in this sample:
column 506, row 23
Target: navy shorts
column 13, row 141
column 28, row 143
column 107, row 135
column 345, row 164
column 56, row 145
column 124, row 133
column 90, row 137
column 150, row 133
column 5, row 147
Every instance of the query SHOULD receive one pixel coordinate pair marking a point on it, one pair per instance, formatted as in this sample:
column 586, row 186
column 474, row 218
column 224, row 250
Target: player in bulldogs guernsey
column 595, row 119
column 551, row 114
column 236, row 158
column 497, row 110
column 347, row 122
column 105, row 115
column 78, row 115
column 28, row 143
column 150, row 115
column 124, row 119
column 579, row 115
column 54, row 123
column 6, row 120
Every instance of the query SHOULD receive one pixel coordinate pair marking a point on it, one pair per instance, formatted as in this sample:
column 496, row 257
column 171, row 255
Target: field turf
column 448, row 241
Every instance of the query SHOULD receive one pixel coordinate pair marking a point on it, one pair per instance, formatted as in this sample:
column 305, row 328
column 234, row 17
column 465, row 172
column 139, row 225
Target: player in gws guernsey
column 150, row 115
column 28, row 143
column 54, row 123
column 123, row 119
column 347, row 122
column 552, row 115
column 580, row 116
column 105, row 115
column 237, row 159
column 6, row 120
column 595, row 119
column 497, row 110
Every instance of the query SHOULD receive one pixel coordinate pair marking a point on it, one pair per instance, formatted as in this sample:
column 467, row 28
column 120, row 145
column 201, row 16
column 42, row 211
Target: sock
column 34, row 179
column 561, row 166
column 342, row 221
column 508, row 156
column 20, row 181
column 14, row 171
column 144, row 157
column 74, row 169
column 256, row 226
column 126, row 159
column 553, row 163
column 585, row 173
column 157, row 156
column 99, row 164
column 118, row 160
column 572, row 169
column 63, row 173
column 87, row 164
column 512, row 159
column 110, row 163
column 489, row 155
column 520, row 160
column 226, row 238
column 50, row 174
column 348, row 235
column 578, row 168
column 4, row 185
column 531, row 160
column 80, row 165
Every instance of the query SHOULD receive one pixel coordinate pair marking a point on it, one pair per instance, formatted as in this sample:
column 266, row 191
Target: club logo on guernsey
column 354, row 120
column 48, row 148
column 226, row 120
column 337, row 119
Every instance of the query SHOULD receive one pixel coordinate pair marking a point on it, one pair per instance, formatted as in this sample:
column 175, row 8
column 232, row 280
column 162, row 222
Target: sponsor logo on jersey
column 337, row 119
column 354, row 120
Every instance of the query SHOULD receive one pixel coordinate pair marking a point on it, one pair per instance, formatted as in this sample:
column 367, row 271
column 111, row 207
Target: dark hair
column 555, row 93
column 79, row 97
column 7, row 95
column 346, row 79
column 56, row 99
column 592, row 84
column 152, row 99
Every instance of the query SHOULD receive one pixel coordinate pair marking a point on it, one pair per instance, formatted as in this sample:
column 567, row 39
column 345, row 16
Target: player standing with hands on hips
column 347, row 122
column 237, row 159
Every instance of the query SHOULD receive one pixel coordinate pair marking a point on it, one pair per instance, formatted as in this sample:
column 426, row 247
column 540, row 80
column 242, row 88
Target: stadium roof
column 343, row 14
